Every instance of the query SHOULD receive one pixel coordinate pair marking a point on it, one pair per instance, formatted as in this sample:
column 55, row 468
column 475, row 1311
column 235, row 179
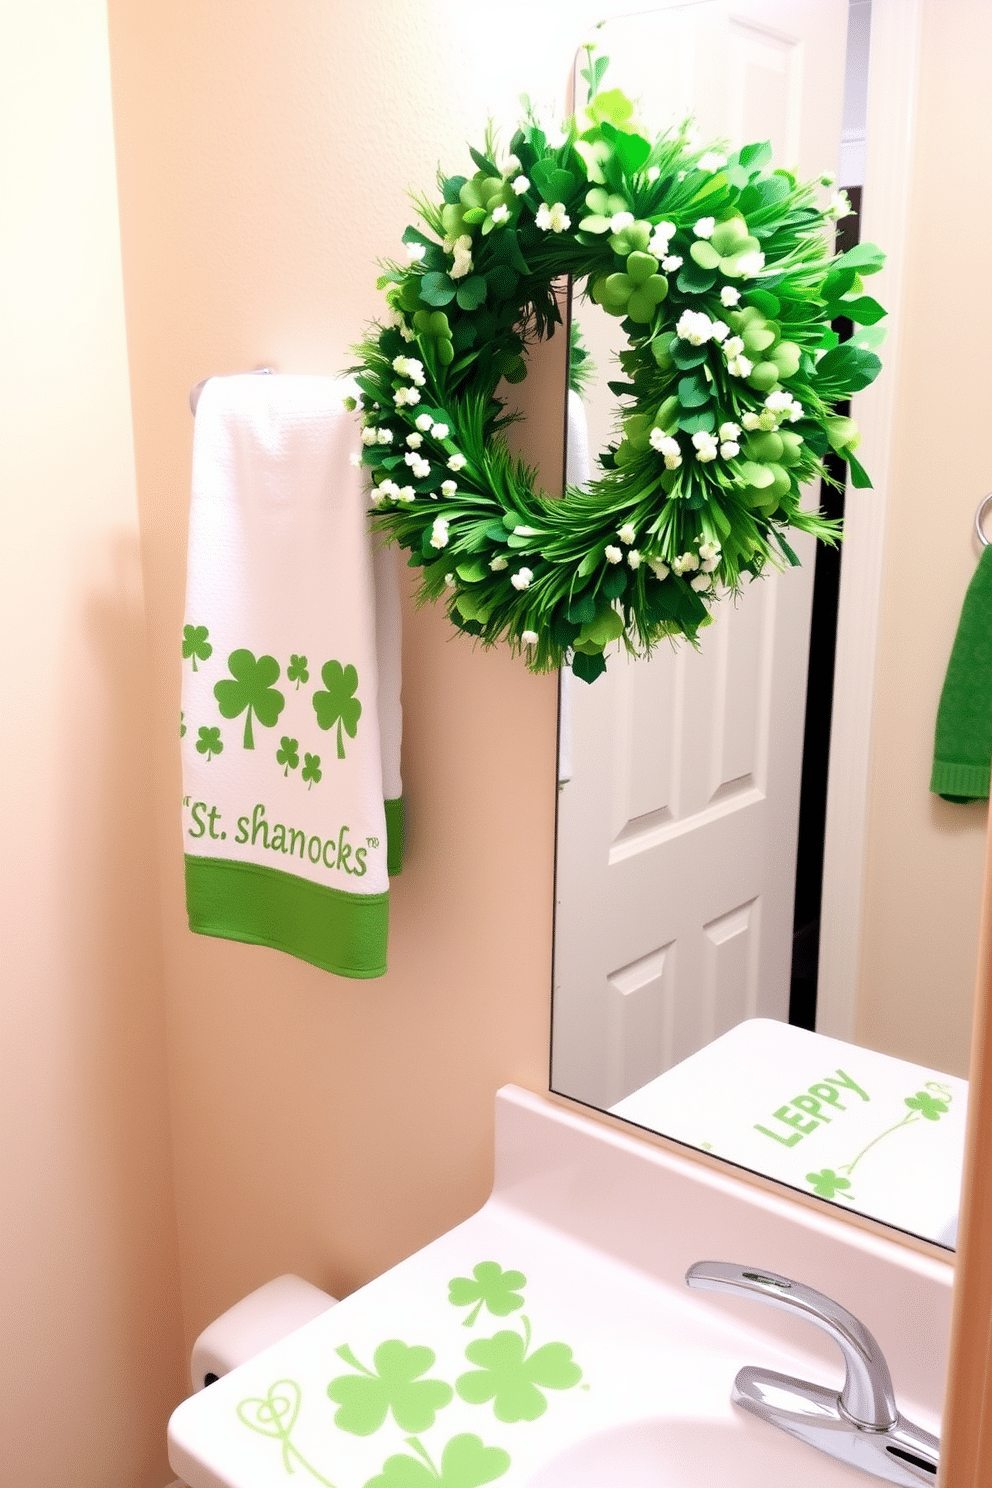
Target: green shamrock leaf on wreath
column 465, row 1463
column 311, row 772
column 338, row 705
column 394, row 1385
column 492, row 1287
column 829, row 1185
column 288, row 753
column 249, row 690
column 297, row 670
column 511, row 1378
column 208, row 742
column 195, row 644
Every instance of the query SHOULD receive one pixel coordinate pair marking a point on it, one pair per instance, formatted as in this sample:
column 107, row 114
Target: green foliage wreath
column 718, row 267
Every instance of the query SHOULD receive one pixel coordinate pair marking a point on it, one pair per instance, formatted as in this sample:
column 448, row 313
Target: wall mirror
column 692, row 786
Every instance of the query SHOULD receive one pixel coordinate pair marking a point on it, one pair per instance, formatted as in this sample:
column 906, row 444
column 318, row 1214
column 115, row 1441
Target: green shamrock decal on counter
column 929, row 1108
column 512, row 1378
column 195, row 644
column 465, row 1463
column 311, row 772
column 250, row 690
column 365, row 1399
column 490, row 1287
column 208, row 742
column 288, row 754
column 338, row 705
column 297, row 670
column 829, row 1185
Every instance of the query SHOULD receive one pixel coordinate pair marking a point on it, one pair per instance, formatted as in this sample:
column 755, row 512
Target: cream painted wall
column 925, row 855
column 265, row 155
column 91, row 1319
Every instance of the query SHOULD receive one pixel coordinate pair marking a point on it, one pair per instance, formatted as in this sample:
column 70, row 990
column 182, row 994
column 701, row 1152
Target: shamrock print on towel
column 510, row 1376
column 465, row 1463
column 491, row 1287
column 338, row 705
column 208, row 742
column 250, row 690
column 195, row 644
column 288, row 754
column 311, row 772
column 297, row 670
column 395, row 1384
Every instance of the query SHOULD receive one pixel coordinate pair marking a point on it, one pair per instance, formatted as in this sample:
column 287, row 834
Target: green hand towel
column 963, row 745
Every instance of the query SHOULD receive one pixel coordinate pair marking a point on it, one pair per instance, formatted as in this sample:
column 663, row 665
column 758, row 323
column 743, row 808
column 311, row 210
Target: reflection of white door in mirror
column 646, row 975
column 677, row 845
column 677, row 827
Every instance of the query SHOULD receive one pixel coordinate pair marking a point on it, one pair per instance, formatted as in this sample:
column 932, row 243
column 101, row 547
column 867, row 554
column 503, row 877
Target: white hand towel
column 291, row 710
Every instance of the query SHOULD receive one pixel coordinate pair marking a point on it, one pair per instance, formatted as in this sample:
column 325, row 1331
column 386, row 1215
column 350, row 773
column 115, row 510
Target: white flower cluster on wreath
column 696, row 327
column 388, row 490
column 461, row 248
column 410, row 367
column 421, row 468
column 780, row 408
column 553, row 218
column 707, row 445
column 702, row 563
column 426, row 425
column 738, row 365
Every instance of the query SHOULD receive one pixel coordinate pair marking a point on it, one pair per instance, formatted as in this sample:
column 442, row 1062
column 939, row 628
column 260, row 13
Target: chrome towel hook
column 983, row 508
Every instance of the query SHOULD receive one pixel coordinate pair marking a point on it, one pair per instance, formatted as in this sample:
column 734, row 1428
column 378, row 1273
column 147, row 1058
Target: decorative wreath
column 719, row 269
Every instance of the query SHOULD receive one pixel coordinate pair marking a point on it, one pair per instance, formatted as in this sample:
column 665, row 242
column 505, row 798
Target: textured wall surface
column 265, row 156
column 91, row 1357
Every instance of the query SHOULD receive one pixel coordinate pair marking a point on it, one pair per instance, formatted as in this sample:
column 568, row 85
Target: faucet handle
column 867, row 1397
column 862, row 1426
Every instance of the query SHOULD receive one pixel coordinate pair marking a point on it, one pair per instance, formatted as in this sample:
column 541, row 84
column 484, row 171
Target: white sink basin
column 663, row 1453
column 550, row 1341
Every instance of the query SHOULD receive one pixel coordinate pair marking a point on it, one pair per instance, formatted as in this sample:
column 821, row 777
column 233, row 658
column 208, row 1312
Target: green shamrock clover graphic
column 288, row 754
column 195, row 644
column 465, row 1463
column 338, row 705
column 297, row 670
column 828, row 1184
column 493, row 1288
column 509, row 1377
column 311, row 772
column 249, row 690
column 208, row 742
column 395, row 1385
column 182, row 725
column 928, row 1106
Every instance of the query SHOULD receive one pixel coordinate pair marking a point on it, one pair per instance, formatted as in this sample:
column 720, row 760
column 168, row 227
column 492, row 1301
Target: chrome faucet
column 861, row 1426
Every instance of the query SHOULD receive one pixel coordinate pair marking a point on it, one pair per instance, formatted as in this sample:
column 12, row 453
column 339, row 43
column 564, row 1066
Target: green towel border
column 342, row 933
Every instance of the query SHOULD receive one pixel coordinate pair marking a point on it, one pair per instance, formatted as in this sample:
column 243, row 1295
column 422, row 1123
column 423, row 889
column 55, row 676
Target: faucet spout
column 860, row 1426
column 867, row 1398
